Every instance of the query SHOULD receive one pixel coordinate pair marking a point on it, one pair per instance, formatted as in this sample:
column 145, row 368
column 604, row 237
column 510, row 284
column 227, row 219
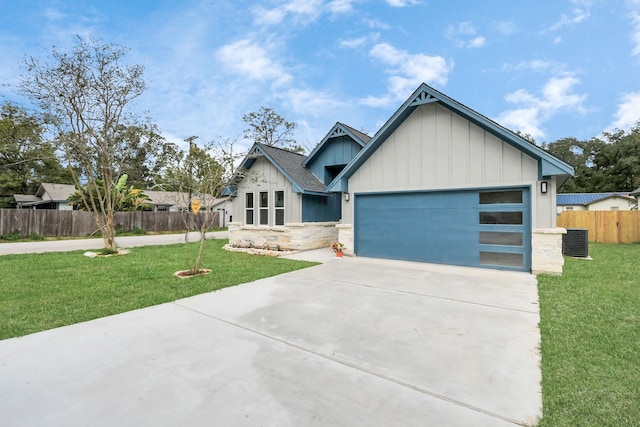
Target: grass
column 44, row 291
column 590, row 326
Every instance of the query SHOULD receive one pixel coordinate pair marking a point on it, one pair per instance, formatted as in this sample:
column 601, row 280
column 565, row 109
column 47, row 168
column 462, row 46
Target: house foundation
column 294, row 236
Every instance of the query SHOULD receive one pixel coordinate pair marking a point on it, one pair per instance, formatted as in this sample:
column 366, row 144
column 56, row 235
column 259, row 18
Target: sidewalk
column 86, row 244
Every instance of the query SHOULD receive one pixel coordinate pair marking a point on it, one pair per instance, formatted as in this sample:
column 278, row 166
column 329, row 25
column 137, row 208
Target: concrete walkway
column 355, row 342
column 86, row 244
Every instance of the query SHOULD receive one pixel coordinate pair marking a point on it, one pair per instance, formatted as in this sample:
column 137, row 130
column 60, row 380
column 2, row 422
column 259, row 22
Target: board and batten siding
column 437, row 149
column 264, row 176
column 340, row 151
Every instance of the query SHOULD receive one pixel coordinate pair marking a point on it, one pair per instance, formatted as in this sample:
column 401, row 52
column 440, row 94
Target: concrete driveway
column 356, row 342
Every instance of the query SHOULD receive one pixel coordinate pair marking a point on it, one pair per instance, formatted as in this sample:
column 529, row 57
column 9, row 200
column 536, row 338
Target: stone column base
column 345, row 235
column 546, row 250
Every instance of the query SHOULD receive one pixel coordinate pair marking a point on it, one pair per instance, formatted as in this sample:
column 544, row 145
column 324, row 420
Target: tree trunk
column 109, row 234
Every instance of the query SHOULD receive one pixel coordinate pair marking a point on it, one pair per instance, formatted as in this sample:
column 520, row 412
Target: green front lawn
column 44, row 291
column 590, row 326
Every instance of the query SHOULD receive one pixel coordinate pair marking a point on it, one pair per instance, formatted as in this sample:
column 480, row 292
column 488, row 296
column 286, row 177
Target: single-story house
column 438, row 183
column 596, row 202
column 48, row 196
column 54, row 196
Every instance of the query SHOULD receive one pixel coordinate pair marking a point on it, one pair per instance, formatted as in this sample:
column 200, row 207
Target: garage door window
column 513, row 218
column 502, row 228
column 501, row 238
column 495, row 197
column 501, row 259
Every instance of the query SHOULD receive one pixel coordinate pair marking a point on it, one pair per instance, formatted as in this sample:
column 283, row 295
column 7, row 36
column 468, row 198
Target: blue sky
column 549, row 68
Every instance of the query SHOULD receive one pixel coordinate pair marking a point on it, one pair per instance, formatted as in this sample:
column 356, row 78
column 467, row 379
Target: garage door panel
column 442, row 227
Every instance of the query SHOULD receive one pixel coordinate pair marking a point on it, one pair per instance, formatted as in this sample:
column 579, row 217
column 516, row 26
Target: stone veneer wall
column 546, row 250
column 303, row 236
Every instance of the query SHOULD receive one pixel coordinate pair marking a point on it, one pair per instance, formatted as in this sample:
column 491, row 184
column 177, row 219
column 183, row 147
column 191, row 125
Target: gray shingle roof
column 291, row 163
column 363, row 136
column 55, row 192
column 635, row 192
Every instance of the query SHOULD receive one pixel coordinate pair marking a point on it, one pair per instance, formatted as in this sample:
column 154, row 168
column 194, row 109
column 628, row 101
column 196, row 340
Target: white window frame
column 263, row 209
column 277, row 208
column 247, row 209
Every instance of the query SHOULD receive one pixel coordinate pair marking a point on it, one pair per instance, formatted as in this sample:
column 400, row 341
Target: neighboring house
column 48, row 196
column 437, row 183
column 54, row 196
column 596, row 202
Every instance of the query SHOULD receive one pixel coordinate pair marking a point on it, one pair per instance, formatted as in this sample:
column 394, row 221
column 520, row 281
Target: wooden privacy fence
column 604, row 226
column 79, row 223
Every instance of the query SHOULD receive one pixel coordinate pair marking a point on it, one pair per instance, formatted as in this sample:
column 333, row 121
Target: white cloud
column 407, row 72
column 374, row 23
column 464, row 35
column 360, row 41
column 476, row 42
column 634, row 15
column 628, row 112
column 536, row 65
column 340, row 6
column 505, row 27
column 300, row 11
column 533, row 110
column 402, row 3
column 525, row 120
column 252, row 61
column 580, row 13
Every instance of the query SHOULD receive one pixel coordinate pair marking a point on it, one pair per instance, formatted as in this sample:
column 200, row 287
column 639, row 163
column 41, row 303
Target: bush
column 137, row 231
column 15, row 235
column 36, row 237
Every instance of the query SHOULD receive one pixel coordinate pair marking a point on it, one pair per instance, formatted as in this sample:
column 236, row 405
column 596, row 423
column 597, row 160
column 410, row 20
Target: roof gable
column 338, row 130
column 289, row 164
column 55, row 192
column 548, row 165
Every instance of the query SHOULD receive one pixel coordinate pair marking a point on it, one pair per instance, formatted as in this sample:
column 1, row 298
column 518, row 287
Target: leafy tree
column 145, row 153
column 601, row 165
column 125, row 198
column 88, row 91
column 268, row 127
column 26, row 159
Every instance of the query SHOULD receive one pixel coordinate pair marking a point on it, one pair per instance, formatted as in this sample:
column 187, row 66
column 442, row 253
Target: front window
column 248, row 207
column 279, row 202
column 264, row 208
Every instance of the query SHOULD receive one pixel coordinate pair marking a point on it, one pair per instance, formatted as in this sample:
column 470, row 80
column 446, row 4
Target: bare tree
column 89, row 90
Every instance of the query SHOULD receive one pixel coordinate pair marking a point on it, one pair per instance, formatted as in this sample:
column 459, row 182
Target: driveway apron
column 356, row 342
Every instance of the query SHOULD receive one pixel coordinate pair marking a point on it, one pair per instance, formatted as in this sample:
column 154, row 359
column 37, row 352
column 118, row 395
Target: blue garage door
column 480, row 228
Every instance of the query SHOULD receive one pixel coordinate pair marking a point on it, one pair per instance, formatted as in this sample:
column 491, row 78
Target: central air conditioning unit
column 576, row 242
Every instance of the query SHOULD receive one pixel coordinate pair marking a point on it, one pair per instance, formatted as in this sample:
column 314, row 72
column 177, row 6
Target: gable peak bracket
column 422, row 98
column 338, row 132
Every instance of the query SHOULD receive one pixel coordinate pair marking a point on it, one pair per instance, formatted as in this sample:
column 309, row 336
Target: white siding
column 264, row 176
column 611, row 204
column 436, row 149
